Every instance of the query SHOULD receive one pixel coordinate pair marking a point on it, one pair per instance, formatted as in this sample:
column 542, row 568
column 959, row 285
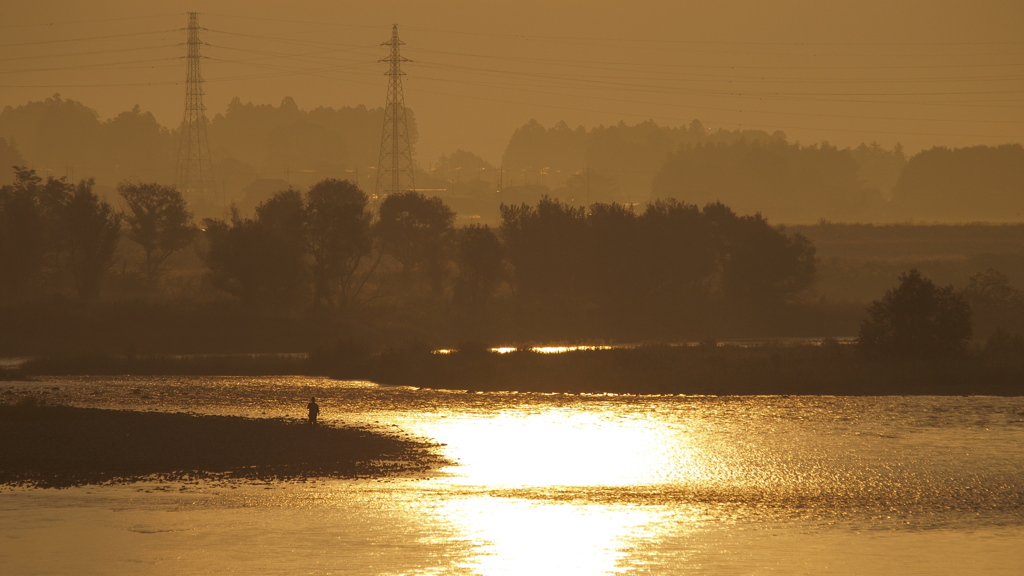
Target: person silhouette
column 314, row 410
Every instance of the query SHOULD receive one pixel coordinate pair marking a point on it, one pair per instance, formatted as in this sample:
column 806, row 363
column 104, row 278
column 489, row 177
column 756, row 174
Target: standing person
column 314, row 411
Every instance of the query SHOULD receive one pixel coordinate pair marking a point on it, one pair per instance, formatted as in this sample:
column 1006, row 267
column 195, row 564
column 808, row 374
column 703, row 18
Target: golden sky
column 923, row 73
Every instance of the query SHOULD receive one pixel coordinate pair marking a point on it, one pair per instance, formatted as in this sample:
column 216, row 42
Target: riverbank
column 53, row 446
column 166, row 364
column 822, row 368
column 827, row 369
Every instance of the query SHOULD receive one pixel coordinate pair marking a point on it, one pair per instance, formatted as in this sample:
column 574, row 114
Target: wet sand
column 60, row 446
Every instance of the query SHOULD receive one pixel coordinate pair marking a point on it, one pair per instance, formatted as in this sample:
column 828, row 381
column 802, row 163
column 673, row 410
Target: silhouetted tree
column 544, row 245
column 337, row 234
column 917, row 319
column 31, row 229
column 22, row 243
column 158, row 221
column 665, row 266
column 759, row 263
column 414, row 230
column 996, row 304
column 261, row 260
column 229, row 255
column 680, row 253
column 615, row 276
column 479, row 255
column 283, row 218
column 91, row 230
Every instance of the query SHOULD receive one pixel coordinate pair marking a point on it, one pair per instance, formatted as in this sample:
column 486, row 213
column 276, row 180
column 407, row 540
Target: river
column 558, row 484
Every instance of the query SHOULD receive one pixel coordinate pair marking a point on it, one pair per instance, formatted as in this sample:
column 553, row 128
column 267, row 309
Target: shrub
column 917, row 319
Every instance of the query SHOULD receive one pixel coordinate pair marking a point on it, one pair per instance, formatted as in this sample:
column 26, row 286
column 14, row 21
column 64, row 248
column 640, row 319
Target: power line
column 66, row 40
column 100, row 66
column 79, row 53
column 80, row 22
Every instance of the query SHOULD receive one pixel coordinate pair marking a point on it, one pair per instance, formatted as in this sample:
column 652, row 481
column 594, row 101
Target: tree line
column 549, row 271
column 672, row 263
column 329, row 249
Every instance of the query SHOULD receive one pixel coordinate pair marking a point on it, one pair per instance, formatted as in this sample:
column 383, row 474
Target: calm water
column 561, row 484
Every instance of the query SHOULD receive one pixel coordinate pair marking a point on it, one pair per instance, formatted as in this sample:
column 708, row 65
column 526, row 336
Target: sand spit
column 53, row 446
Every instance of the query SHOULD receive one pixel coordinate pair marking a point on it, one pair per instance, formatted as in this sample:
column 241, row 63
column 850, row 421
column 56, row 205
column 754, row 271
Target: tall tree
column 282, row 220
column 415, row 230
column 544, row 244
column 91, row 230
column 31, row 212
column 680, row 252
column 259, row 261
column 613, row 265
column 337, row 238
column 479, row 255
column 21, row 238
column 760, row 263
column 158, row 221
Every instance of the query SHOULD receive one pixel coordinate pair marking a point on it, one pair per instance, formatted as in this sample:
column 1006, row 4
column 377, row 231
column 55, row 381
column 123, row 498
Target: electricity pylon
column 194, row 175
column 394, row 168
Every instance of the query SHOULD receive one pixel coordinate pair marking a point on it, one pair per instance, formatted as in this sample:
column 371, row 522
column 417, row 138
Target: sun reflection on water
column 513, row 536
column 534, row 489
column 563, row 448
column 570, row 452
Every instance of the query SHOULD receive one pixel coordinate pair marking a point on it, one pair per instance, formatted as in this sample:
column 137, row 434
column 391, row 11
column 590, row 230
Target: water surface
column 560, row 484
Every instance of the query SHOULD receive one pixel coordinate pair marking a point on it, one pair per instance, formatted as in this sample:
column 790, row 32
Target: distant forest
column 256, row 149
column 261, row 149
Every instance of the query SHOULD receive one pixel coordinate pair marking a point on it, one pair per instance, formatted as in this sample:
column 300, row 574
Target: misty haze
column 522, row 288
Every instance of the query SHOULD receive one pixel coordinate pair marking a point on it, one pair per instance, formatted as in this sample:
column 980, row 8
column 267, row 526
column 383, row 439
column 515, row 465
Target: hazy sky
column 924, row 73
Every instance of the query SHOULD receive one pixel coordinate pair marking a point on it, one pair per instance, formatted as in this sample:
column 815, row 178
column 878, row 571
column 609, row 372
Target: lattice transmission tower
column 394, row 168
column 194, row 175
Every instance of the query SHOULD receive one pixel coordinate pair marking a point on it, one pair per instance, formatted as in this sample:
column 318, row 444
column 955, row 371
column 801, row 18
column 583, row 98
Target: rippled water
column 561, row 484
